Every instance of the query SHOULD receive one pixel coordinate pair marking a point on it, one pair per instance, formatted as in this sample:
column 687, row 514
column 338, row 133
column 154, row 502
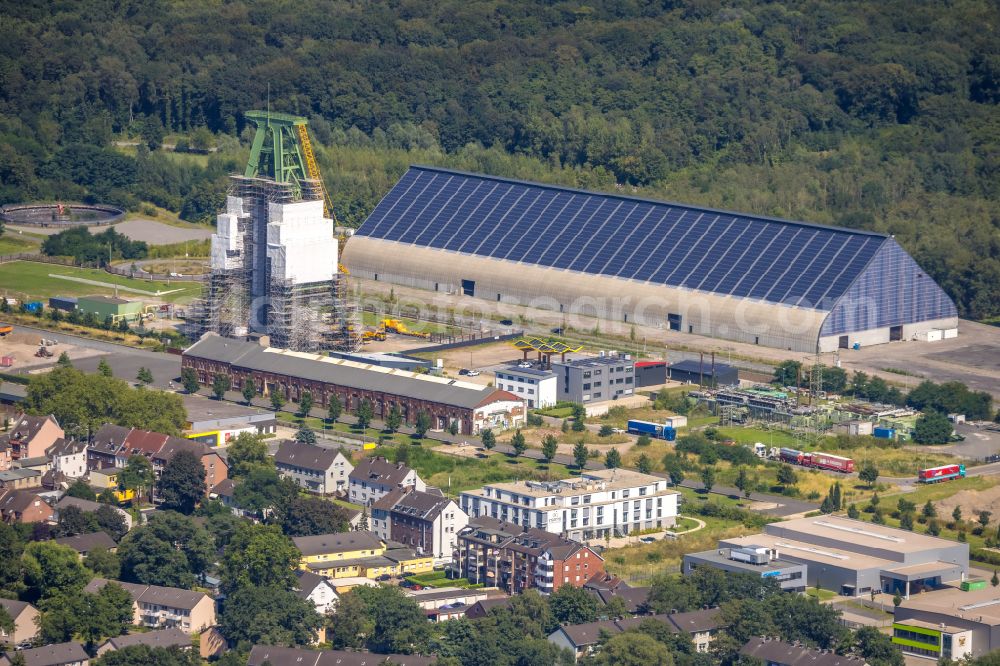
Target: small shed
column 650, row 373
column 65, row 303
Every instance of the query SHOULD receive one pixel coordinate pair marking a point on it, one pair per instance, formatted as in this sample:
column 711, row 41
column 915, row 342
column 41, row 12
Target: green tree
column 852, row 512
column 489, row 439
column 249, row 391
column 307, row 516
column 643, row 440
column 995, row 579
column 612, row 459
column 189, row 380
column 50, row 569
column 305, row 435
column 787, row 373
column 787, row 476
column 103, row 563
column 633, row 648
column 182, row 482
column 398, row 625
column 263, row 493
column 453, row 428
column 220, row 385
column 956, row 514
column 906, row 521
column 81, row 490
column 269, row 614
column 580, row 454
column 64, row 361
column 277, row 399
column 422, row 425
column 334, row 409
column 644, row 464
column 743, row 482
column 606, row 430
column 868, row 473
column 549, row 447
column 573, row 605
column 143, row 655
column 103, row 368
column 518, row 443
column 259, row 556
column 364, row 414
column 6, row 622
column 929, row 511
column 393, row 419
column 932, row 428
column 350, row 624
column 144, row 376
column 305, row 404
column 984, row 518
column 708, row 478
column 246, row 451
column 137, row 475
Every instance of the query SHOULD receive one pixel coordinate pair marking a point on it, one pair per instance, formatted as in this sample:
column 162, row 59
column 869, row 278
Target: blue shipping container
column 34, row 306
column 884, row 433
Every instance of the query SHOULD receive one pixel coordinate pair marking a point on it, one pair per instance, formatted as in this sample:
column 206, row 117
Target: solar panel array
column 656, row 242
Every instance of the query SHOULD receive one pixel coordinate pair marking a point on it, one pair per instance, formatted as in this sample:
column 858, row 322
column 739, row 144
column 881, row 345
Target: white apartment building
column 536, row 387
column 69, row 457
column 598, row 503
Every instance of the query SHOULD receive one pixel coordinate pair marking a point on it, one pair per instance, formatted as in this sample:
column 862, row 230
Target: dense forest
column 875, row 115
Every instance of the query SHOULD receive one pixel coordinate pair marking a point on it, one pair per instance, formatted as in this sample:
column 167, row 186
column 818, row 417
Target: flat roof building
column 536, row 386
column 681, row 267
column 949, row 623
column 594, row 378
column 753, row 560
column 852, row 557
column 598, row 503
column 706, row 374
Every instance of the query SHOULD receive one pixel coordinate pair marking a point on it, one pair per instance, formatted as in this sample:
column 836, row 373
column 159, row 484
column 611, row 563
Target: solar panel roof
column 658, row 242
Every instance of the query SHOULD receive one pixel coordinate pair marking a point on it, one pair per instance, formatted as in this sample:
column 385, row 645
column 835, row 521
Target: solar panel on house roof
column 606, row 234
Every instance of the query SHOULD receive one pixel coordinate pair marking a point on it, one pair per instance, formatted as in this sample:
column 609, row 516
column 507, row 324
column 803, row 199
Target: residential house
column 31, row 436
column 482, row 608
column 316, row 468
column 22, row 506
column 317, row 590
column 57, row 654
column 516, row 559
column 6, row 458
column 69, row 458
column 88, row 506
column 381, row 518
column 83, row 544
column 774, row 652
column 140, row 443
column 597, row 504
column 358, row 554
column 19, row 479
column 583, row 639
column 216, row 469
column 284, row 656
column 107, row 478
column 446, row 603
column 225, row 492
column 105, row 445
column 428, row 522
column 159, row 607
column 374, row 477
column 41, row 464
column 163, row 638
column 25, row 618
column 605, row 587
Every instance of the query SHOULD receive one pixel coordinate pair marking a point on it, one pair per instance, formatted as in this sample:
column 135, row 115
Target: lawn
column 820, row 594
column 372, row 319
column 769, row 436
column 33, row 279
column 15, row 243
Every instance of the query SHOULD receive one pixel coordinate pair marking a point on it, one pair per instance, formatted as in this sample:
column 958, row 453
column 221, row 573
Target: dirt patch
column 158, row 233
column 22, row 346
column 972, row 502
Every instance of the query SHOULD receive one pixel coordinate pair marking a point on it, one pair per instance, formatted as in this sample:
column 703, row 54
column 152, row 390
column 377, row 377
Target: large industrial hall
column 779, row 283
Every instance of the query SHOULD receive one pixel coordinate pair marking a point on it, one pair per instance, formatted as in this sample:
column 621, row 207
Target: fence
column 40, row 258
column 139, row 274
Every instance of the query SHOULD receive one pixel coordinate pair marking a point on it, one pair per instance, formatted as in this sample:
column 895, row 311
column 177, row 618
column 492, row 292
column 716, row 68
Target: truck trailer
column 650, row 429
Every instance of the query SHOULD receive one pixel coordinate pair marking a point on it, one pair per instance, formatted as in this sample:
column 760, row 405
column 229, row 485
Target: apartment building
column 514, row 558
column 374, row 477
column 159, row 607
column 536, row 386
column 610, row 502
column 358, row 554
column 315, row 468
column 105, row 446
column 69, row 458
column 216, row 469
column 31, row 436
column 428, row 522
column 55, row 654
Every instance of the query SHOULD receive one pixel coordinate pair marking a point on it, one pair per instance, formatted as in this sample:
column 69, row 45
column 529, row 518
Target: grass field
column 32, row 279
column 15, row 243
column 372, row 319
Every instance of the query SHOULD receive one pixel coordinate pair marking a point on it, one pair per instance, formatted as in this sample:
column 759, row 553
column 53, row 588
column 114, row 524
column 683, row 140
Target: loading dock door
column 895, row 333
column 469, row 287
column 843, row 342
column 674, row 321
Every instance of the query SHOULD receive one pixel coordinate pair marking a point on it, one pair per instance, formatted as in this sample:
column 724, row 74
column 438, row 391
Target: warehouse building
column 472, row 407
column 103, row 307
column 761, row 280
column 594, row 379
column 852, row 557
column 754, row 560
column 704, row 374
column 950, row 623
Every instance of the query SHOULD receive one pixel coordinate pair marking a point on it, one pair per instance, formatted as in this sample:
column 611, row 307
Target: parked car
column 995, row 457
column 506, row 322
column 472, row 373
column 558, row 330
column 617, row 431
column 647, row 540
column 463, row 372
column 384, row 577
column 524, row 364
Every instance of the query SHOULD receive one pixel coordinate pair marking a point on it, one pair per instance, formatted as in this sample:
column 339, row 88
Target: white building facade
column 612, row 502
column 536, row 387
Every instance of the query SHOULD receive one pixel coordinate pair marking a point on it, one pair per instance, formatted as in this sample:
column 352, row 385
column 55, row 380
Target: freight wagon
column 655, row 430
column 943, row 473
column 791, row 456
